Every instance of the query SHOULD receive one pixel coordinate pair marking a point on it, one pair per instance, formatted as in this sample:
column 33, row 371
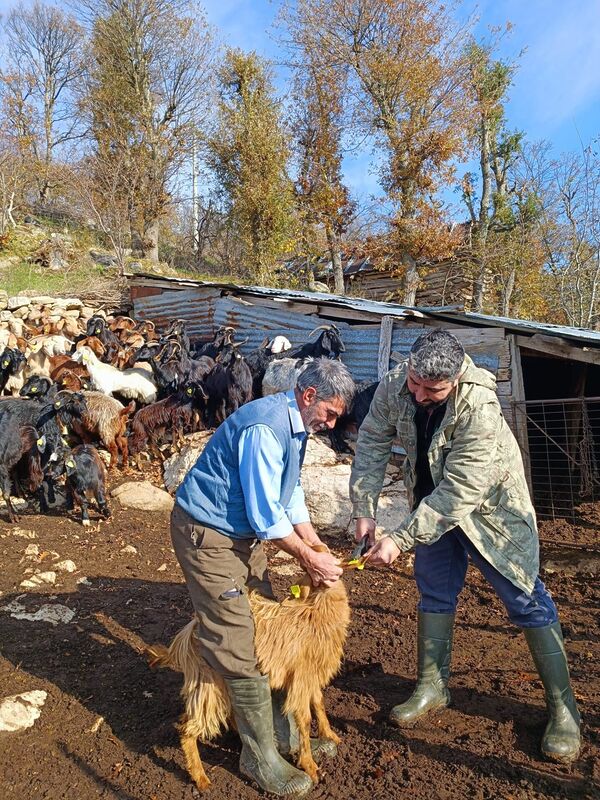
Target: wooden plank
column 385, row 346
column 554, row 346
column 520, row 415
column 504, row 389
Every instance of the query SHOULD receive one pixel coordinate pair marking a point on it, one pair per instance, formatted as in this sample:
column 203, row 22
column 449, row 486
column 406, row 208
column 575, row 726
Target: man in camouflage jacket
column 469, row 498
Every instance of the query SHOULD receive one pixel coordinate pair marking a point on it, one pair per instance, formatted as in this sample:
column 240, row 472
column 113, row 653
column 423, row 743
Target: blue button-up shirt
column 260, row 458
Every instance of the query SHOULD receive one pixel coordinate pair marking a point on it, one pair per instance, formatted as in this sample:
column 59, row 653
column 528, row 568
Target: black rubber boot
column 561, row 740
column 259, row 759
column 434, row 648
column 287, row 739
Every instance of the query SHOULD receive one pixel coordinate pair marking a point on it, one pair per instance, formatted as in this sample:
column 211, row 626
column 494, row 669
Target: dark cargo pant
column 219, row 571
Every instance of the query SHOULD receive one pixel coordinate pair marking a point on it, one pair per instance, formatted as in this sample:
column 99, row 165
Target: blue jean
column 440, row 570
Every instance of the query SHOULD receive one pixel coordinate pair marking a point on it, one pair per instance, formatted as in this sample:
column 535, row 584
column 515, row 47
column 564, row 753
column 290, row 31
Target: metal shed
column 548, row 376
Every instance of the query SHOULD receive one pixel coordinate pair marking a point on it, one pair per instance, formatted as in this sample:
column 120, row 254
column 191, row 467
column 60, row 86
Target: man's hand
column 383, row 553
column 323, row 568
column 365, row 526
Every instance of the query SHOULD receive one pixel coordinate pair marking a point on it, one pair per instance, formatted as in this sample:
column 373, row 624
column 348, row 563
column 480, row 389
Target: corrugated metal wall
column 205, row 310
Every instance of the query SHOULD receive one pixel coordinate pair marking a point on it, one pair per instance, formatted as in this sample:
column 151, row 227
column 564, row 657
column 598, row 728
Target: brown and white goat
column 299, row 644
column 106, row 421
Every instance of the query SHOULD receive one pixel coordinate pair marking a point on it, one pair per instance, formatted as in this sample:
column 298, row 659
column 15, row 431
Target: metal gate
column 563, row 452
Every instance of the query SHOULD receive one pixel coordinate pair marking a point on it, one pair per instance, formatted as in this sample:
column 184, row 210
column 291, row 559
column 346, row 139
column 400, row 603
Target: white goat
column 42, row 348
column 135, row 384
column 279, row 344
column 281, row 375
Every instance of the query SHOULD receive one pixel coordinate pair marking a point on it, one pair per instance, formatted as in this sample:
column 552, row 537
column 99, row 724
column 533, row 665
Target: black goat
column 177, row 332
column 328, row 345
column 98, row 327
column 11, row 361
column 39, row 388
column 86, row 475
column 15, row 414
column 259, row 359
column 228, row 386
column 351, row 421
column 20, row 462
column 223, row 337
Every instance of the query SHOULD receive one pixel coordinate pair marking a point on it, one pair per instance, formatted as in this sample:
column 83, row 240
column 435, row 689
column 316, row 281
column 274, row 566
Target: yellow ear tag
column 57, row 404
column 33, row 390
column 356, row 562
column 295, row 591
column 40, row 442
column 189, row 391
column 5, row 363
column 70, row 463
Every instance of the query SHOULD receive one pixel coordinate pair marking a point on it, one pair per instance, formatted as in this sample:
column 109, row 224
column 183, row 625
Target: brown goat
column 299, row 644
column 106, row 421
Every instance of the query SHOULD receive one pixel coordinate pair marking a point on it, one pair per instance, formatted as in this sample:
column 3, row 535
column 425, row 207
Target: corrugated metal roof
column 254, row 322
column 329, row 304
column 315, row 298
column 582, row 335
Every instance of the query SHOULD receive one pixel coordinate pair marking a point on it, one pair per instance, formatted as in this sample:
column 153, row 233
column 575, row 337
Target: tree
column 45, row 46
column 146, row 95
column 317, row 125
column 567, row 189
column 249, row 152
column 497, row 150
column 406, row 76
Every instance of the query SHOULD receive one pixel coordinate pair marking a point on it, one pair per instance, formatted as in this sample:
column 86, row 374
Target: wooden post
column 520, row 414
column 385, row 346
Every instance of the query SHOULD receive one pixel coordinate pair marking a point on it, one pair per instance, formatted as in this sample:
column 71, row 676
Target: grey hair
column 330, row 378
column 436, row 356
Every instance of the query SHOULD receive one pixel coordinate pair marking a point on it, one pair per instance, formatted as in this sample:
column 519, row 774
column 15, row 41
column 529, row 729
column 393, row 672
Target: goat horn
column 321, row 328
column 239, row 344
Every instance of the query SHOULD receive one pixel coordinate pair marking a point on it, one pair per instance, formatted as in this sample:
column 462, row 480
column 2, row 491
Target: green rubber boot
column 561, row 740
column 259, row 759
column 434, row 648
column 287, row 739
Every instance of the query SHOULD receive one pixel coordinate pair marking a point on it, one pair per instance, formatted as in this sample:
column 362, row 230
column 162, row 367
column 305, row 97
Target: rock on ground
column 142, row 495
column 325, row 480
column 176, row 467
column 52, row 613
column 21, row 710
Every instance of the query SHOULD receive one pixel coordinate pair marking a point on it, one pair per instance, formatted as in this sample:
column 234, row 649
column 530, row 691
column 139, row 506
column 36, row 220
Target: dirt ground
column 107, row 727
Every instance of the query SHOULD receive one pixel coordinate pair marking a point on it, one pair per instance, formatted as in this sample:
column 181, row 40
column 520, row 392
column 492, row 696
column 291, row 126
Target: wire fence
column 564, row 453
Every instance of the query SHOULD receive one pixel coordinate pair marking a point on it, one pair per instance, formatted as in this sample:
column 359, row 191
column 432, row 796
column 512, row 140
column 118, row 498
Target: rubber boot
column 561, row 740
column 259, row 759
column 287, row 738
column 434, row 648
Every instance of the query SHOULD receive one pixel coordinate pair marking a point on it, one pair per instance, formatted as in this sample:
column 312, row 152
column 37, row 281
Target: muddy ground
column 107, row 727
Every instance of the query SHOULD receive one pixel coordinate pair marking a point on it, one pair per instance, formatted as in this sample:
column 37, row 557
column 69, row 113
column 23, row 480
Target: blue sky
column 556, row 93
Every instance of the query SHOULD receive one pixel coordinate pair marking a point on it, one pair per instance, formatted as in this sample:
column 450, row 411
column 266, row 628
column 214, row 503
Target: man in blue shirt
column 244, row 489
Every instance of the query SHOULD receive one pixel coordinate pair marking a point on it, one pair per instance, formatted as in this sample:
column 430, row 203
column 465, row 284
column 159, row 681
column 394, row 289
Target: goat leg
column 83, row 502
column 305, row 760
column 324, row 730
column 193, row 762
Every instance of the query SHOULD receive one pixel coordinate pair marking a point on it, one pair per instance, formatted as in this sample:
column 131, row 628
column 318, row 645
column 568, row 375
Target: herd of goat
column 60, row 398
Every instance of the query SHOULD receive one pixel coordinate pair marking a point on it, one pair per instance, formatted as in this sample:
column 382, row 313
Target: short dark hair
column 436, row 356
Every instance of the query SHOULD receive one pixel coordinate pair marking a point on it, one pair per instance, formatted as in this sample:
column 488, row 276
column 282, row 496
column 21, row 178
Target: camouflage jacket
column 476, row 468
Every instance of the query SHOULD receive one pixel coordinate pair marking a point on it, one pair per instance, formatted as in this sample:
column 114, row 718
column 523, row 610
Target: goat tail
column 157, row 655
column 207, row 704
